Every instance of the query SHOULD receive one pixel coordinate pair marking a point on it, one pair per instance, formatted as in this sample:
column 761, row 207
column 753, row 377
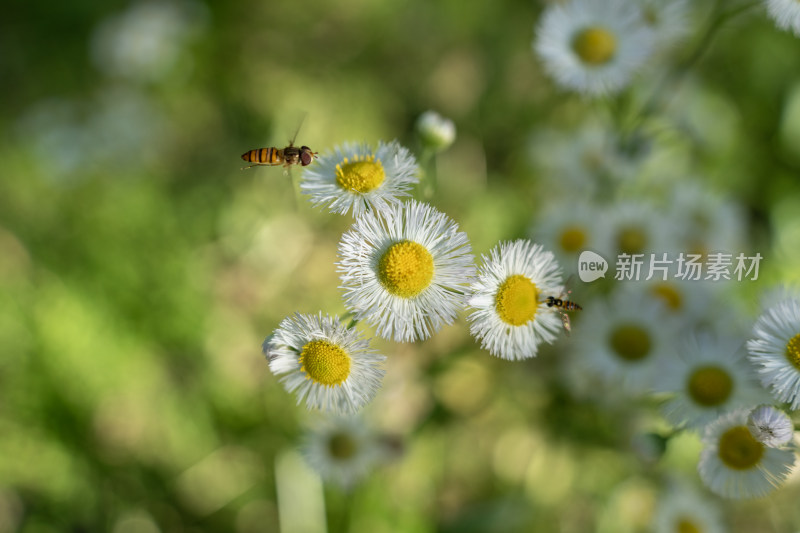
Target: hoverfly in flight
column 288, row 156
column 563, row 305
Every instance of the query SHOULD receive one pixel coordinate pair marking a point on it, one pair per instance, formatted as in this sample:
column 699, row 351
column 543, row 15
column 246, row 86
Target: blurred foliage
column 140, row 269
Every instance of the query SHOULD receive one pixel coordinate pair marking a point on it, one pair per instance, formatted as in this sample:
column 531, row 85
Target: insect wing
column 567, row 325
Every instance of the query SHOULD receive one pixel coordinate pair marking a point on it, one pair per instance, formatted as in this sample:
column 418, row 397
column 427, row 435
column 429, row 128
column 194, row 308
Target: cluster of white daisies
column 406, row 270
column 598, row 47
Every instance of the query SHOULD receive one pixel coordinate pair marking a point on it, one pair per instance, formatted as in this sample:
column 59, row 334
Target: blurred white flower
column 786, row 14
column 342, row 450
column 709, row 376
column 404, row 270
column 669, row 20
column 325, row 362
column 569, row 231
column 682, row 509
column 638, row 228
column 775, row 350
column 355, row 177
column 593, row 47
column 624, row 340
column 509, row 314
column 436, row 131
column 770, row 426
column 145, row 41
column 733, row 464
column 706, row 221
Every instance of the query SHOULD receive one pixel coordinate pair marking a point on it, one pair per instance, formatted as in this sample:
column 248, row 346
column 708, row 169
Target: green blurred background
column 140, row 268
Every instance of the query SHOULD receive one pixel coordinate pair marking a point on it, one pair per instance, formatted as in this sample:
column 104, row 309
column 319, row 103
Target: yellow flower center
column 361, row 175
column 669, row 295
column 324, row 362
column 595, row 45
column 516, row 300
column 793, row 351
column 406, row 269
column 630, row 342
column 710, row 386
column 342, row 446
column 686, row 525
column 573, row 239
column 631, row 240
column 739, row 450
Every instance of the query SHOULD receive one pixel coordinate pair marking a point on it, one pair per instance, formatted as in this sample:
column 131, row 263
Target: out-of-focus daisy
column 436, row 131
column 146, row 41
column 355, row 177
column 682, row 509
column 404, row 270
column 568, row 232
column 707, row 222
column 770, row 426
column 687, row 300
column 710, row 376
column 669, row 20
column 786, row 14
column 733, row 464
column 593, row 47
column 580, row 163
column 326, row 363
column 509, row 314
column 342, row 450
column 641, row 228
column 624, row 340
column 775, row 350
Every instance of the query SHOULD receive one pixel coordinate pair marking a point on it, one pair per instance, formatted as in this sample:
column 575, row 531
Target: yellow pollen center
column 573, row 239
column 630, row 342
column 793, row 351
column 516, row 300
column 595, row 46
column 686, row 525
column 710, row 386
column 361, row 175
column 342, row 446
column 738, row 449
column 324, row 362
column 669, row 295
column 406, row 269
column 631, row 240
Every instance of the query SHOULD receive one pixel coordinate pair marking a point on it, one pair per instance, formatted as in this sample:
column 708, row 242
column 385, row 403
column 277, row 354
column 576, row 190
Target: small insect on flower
column 562, row 305
column 770, row 426
column 291, row 155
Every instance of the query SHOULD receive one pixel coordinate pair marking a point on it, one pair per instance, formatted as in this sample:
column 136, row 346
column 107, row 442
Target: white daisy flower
column 669, row 20
column 593, row 47
column 786, row 14
column 623, row 341
column 147, row 40
column 356, row 177
column 510, row 316
column 710, row 376
column 682, row 509
column 436, row 131
column 326, row 363
column 775, row 351
column 706, row 221
column 770, row 426
column 640, row 228
column 342, row 450
column 578, row 164
column 568, row 232
column 405, row 269
column 733, row 464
